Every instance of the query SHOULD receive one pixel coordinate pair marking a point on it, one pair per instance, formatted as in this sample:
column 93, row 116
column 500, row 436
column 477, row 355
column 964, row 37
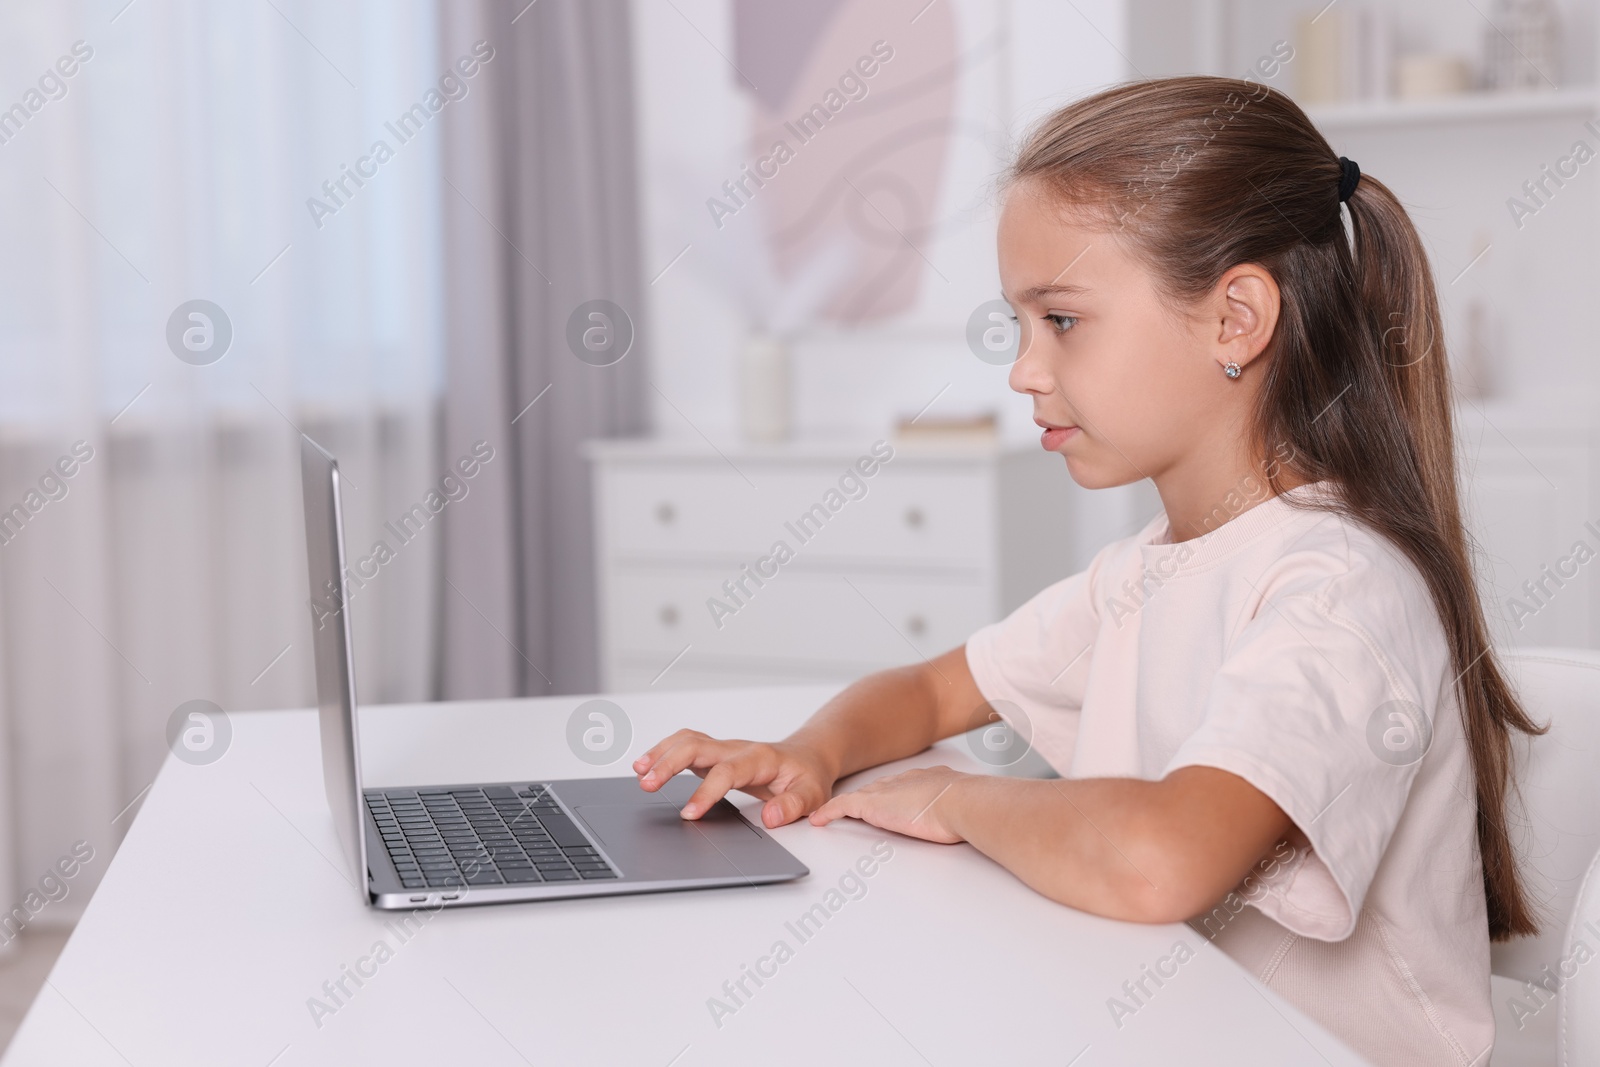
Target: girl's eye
column 1062, row 323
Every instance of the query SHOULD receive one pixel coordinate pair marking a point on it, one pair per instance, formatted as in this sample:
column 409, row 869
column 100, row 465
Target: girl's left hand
column 906, row 803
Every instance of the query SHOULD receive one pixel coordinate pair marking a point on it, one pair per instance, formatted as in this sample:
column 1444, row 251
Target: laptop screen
column 330, row 633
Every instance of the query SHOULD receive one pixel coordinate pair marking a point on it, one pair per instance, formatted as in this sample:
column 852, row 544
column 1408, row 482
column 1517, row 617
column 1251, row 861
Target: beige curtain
column 541, row 216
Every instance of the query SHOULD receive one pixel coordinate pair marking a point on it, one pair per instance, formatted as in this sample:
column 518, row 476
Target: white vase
column 766, row 401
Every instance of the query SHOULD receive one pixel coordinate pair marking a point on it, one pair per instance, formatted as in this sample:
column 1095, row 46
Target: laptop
column 495, row 842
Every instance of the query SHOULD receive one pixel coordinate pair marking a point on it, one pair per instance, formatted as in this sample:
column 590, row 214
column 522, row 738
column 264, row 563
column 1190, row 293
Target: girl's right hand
column 793, row 779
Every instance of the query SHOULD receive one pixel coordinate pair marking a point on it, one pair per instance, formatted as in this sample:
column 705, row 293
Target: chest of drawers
column 814, row 561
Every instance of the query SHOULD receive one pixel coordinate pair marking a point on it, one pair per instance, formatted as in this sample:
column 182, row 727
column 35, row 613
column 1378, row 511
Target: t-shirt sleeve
column 1309, row 710
column 1032, row 665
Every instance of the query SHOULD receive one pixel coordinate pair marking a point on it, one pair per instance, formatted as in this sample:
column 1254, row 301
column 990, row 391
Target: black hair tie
column 1349, row 175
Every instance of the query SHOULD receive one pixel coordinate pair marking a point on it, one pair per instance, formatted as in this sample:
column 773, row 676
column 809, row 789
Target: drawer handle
column 917, row 625
column 665, row 513
column 915, row 518
column 669, row 615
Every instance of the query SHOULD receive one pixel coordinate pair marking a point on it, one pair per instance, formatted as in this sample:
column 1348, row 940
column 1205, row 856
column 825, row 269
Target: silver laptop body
column 487, row 843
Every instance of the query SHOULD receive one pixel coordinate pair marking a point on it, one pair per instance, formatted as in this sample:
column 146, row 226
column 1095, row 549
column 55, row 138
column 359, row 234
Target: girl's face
column 1124, row 384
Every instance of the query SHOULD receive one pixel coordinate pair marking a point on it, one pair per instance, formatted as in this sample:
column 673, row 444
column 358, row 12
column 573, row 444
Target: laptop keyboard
column 496, row 835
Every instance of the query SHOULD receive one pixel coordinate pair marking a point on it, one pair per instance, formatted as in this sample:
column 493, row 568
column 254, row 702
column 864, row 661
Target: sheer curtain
column 178, row 162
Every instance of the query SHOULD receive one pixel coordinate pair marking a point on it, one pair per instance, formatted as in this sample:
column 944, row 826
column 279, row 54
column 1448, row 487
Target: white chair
column 1579, row 1038
column 1558, row 837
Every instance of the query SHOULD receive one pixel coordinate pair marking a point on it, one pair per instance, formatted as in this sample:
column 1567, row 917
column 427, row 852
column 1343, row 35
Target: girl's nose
column 1030, row 373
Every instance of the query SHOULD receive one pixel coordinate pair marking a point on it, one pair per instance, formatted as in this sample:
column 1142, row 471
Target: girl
column 1275, row 709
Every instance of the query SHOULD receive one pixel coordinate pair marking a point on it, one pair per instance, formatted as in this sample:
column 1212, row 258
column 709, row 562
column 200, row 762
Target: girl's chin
column 1090, row 475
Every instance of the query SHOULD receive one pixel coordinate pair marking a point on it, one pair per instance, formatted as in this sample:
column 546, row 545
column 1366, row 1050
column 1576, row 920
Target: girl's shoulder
column 1356, row 578
column 1338, row 554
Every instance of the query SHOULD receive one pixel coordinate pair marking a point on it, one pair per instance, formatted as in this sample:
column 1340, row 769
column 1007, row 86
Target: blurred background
column 666, row 271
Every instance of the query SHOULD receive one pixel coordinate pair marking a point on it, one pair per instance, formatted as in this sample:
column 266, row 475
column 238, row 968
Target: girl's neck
column 1198, row 502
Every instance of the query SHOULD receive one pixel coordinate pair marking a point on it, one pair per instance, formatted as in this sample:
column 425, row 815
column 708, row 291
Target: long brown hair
column 1200, row 174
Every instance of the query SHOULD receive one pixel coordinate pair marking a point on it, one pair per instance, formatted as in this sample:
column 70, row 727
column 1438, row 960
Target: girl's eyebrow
column 1041, row 291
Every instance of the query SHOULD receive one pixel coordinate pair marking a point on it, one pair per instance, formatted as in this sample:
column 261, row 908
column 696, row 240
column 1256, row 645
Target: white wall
column 692, row 123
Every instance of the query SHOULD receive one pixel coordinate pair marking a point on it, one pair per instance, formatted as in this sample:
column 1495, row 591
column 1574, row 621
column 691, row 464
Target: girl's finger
column 644, row 762
column 718, row 780
column 846, row 805
column 783, row 809
column 695, row 750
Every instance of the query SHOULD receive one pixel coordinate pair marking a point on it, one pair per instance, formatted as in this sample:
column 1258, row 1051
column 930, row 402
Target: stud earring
column 1231, row 369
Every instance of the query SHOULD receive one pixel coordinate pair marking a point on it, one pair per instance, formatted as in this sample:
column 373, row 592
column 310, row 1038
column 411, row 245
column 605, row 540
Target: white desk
column 224, row 911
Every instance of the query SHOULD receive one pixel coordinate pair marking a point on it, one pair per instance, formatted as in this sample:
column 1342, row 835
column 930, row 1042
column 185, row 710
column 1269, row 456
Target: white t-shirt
column 1301, row 651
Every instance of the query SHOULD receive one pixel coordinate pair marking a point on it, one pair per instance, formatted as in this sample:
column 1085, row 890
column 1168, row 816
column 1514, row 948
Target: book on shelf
column 984, row 427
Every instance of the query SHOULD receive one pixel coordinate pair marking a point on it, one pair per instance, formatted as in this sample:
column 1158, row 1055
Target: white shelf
column 1467, row 107
column 844, row 449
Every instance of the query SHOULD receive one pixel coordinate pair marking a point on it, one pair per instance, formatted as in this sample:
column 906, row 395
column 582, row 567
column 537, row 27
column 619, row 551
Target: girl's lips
column 1056, row 436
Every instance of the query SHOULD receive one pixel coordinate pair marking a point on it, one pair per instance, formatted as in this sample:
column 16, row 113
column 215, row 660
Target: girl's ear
column 1247, row 298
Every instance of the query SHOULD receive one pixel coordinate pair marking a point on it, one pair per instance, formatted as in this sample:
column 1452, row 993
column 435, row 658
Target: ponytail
column 1394, row 280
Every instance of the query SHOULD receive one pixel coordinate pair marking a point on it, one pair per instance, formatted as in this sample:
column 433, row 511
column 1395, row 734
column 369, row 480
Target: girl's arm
column 884, row 716
column 895, row 713
column 1126, row 848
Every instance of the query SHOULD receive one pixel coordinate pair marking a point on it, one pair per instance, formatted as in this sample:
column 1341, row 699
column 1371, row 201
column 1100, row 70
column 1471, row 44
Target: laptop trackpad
column 653, row 841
